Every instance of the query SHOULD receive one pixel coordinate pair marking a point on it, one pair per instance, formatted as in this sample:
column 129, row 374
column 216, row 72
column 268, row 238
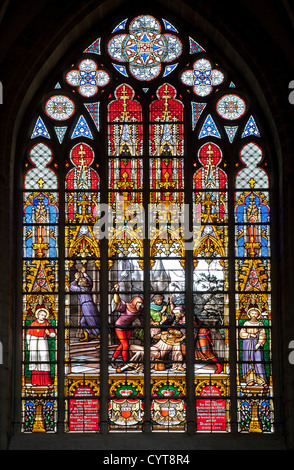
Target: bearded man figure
column 90, row 321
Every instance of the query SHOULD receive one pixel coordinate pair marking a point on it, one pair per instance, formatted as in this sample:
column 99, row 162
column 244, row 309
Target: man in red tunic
column 129, row 311
column 37, row 340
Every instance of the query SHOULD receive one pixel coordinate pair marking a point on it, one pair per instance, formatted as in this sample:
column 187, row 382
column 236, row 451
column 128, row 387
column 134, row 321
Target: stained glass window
column 145, row 47
column 40, row 289
column 147, row 243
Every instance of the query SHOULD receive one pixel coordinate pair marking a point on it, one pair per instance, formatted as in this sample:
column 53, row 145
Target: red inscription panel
column 84, row 411
column 211, row 413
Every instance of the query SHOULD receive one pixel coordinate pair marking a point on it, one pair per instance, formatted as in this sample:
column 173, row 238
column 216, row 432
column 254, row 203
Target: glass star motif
column 87, row 78
column 202, row 77
column 145, row 48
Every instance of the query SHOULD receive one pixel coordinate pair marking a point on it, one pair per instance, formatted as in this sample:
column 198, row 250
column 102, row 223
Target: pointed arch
column 153, row 157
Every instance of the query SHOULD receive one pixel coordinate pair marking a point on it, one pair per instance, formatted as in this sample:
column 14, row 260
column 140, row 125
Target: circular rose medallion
column 231, row 107
column 59, row 107
column 145, row 48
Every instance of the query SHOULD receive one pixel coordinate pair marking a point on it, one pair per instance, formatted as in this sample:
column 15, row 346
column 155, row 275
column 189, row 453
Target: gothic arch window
column 146, row 299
